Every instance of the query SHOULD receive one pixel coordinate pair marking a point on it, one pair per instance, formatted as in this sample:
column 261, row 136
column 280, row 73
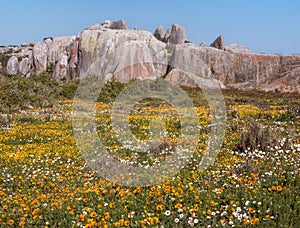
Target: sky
column 265, row 26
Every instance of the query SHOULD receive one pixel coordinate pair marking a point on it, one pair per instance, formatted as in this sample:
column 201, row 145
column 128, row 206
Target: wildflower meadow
column 45, row 182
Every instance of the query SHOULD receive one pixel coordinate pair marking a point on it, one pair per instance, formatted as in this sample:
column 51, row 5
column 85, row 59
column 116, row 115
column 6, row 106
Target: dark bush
column 258, row 137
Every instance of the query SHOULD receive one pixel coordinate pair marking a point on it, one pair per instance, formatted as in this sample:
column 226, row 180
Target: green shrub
column 17, row 92
column 110, row 91
column 68, row 90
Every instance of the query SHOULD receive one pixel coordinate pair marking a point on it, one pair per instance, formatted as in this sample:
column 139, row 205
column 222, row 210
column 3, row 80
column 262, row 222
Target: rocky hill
column 122, row 54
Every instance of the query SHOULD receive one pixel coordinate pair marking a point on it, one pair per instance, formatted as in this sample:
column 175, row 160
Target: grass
column 44, row 182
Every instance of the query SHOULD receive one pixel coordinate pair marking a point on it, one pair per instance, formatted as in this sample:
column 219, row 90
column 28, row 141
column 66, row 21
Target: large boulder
column 105, row 24
column 177, row 34
column 24, row 66
column 40, row 59
column 48, row 41
column 12, row 65
column 120, row 24
column 160, row 33
column 237, row 48
column 125, row 54
column 218, row 43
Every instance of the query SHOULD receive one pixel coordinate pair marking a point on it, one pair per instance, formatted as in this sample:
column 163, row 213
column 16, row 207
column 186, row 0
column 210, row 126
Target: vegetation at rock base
column 17, row 92
column 44, row 182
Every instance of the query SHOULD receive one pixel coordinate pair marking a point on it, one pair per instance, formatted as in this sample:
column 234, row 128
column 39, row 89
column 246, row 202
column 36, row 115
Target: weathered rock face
column 289, row 83
column 218, row 43
column 125, row 54
column 40, row 51
column 236, row 48
column 12, row 65
column 239, row 70
column 73, row 63
column 24, row 66
column 177, row 34
column 160, row 33
column 57, row 47
column 61, row 68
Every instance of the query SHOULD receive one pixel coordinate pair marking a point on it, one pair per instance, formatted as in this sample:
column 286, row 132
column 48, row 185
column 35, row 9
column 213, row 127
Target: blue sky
column 269, row 26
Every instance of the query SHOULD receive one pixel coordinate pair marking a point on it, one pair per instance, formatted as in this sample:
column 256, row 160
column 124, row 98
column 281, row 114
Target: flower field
column 44, row 182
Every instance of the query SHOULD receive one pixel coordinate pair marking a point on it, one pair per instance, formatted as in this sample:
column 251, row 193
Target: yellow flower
column 251, row 210
column 178, row 205
column 155, row 219
column 35, row 211
column 252, row 221
column 160, row 207
column 82, row 216
column 111, row 205
column 22, row 219
column 91, row 221
column 106, row 216
column 117, row 224
column 11, row 222
column 21, row 223
column 93, row 214
column 279, row 188
column 127, row 223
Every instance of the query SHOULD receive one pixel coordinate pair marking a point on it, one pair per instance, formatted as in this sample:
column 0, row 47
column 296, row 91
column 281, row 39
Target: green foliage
column 17, row 92
column 69, row 89
column 110, row 91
